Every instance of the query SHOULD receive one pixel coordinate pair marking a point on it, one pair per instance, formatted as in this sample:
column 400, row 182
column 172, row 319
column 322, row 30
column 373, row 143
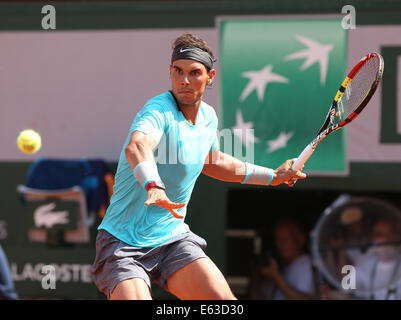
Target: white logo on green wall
column 279, row 78
column 44, row 216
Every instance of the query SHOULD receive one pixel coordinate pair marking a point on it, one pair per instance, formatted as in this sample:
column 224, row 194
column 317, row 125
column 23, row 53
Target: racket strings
column 359, row 88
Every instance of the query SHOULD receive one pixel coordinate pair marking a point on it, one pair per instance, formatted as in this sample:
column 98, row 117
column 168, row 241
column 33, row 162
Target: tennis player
column 143, row 237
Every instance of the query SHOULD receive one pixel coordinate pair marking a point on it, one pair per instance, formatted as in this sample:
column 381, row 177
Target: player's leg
column 116, row 270
column 199, row 280
column 131, row 289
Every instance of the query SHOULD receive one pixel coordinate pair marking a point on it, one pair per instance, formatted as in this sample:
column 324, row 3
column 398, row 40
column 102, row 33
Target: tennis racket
column 354, row 94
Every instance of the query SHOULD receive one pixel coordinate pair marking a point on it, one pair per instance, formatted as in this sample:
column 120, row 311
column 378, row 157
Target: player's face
column 188, row 80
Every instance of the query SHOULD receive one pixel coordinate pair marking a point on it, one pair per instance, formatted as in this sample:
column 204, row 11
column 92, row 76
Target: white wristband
column 258, row 175
column 145, row 172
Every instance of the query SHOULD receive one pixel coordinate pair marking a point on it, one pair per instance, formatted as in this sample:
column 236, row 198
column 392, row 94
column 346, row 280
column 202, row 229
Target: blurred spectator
column 7, row 290
column 329, row 292
column 378, row 272
column 295, row 280
column 348, row 241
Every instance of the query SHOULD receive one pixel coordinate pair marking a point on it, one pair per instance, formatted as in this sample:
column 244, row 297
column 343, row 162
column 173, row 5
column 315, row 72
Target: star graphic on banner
column 315, row 52
column 258, row 80
column 280, row 142
column 244, row 130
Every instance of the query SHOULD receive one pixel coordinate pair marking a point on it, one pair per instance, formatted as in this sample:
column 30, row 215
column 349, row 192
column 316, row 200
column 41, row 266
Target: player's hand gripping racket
column 354, row 94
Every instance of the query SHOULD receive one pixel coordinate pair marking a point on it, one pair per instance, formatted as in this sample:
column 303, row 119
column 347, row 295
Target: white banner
column 364, row 133
column 81, row 89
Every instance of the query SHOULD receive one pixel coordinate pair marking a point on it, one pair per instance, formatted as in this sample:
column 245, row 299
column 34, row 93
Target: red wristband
column 151, row 184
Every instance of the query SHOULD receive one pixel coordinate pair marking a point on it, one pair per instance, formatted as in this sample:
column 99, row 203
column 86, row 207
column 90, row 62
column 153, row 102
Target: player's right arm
column 139, row 149
column 222, row 166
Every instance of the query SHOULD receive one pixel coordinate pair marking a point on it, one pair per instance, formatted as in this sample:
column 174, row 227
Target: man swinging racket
column 143, row 237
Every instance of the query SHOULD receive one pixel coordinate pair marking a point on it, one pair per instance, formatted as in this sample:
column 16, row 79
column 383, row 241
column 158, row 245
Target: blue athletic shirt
column 180, row 157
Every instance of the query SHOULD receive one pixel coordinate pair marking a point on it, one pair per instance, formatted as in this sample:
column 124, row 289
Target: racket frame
column 325, row 130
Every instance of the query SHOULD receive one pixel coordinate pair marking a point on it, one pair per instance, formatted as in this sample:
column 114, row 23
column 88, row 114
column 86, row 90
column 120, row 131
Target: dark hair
column 293, row 222
column 188, row 39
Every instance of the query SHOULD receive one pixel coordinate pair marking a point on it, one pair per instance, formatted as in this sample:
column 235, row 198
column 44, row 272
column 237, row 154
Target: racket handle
column 298, row 162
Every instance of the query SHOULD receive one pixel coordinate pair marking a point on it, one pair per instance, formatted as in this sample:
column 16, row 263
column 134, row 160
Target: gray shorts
column 117, row 261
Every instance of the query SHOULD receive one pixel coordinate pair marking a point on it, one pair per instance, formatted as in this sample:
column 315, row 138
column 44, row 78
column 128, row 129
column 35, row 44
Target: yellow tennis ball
column 29, row 141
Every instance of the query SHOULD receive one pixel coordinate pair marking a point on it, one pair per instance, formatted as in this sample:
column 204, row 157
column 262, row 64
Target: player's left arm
column 222, row 166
